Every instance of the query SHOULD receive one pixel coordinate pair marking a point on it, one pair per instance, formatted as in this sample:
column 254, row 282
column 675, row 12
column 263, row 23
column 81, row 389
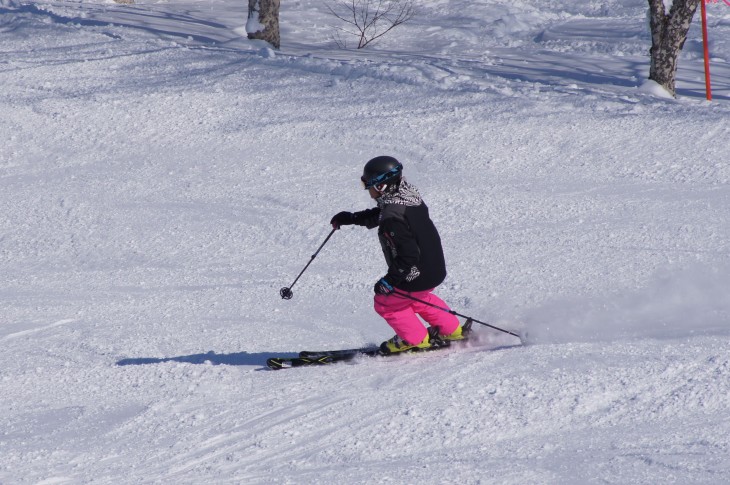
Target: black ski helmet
column 382, row 170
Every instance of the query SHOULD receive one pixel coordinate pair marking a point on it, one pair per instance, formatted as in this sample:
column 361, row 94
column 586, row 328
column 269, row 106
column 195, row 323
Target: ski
column 276, row 363
column 340, row 352
column 327, row 357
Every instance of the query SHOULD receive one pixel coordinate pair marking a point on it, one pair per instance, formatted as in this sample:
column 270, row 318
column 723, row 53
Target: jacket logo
column 415, row 273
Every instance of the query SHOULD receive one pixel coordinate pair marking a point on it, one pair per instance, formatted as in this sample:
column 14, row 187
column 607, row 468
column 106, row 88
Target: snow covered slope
column 161, row 178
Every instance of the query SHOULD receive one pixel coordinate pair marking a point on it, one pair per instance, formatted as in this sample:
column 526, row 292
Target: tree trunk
column 668, row 33
column 263, row 21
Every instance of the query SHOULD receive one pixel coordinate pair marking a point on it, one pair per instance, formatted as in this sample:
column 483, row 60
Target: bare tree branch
column 370, row 19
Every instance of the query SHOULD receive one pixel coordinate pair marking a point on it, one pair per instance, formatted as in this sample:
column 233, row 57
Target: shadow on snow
column 210, row 358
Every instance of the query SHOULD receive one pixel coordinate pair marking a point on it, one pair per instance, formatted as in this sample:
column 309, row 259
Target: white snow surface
column 162, row 177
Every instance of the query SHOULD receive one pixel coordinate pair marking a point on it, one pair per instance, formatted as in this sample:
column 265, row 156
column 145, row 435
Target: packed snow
column 162, row 177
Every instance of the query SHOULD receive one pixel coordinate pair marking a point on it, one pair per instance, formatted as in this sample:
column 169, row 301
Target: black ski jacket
column 411, row 245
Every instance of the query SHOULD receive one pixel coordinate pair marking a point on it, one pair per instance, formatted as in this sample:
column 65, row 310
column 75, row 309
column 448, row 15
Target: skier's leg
column 399, row 314
column 446, row 322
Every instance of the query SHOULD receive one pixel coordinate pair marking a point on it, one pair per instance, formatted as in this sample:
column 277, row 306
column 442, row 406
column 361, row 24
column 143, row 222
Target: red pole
column 708, row 88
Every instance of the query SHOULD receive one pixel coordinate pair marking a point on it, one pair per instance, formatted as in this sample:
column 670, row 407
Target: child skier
column 413, row 252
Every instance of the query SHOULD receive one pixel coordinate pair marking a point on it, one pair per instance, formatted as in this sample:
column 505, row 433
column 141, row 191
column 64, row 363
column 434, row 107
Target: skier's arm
column 368, row 218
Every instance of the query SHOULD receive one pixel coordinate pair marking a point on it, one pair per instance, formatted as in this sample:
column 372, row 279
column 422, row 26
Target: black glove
column 344, row 218
column 382, row 287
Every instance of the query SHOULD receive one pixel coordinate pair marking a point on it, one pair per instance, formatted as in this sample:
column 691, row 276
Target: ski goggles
column 383, row 177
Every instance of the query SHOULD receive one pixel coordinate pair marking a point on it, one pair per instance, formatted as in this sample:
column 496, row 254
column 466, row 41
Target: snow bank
column 655, row 89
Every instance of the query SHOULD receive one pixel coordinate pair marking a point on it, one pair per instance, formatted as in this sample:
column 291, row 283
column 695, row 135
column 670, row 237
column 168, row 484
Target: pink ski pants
column 400, row 313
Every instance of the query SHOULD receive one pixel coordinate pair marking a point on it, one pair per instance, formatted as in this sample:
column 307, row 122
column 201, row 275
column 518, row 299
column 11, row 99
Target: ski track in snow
column 161, row 178
column 33, row 330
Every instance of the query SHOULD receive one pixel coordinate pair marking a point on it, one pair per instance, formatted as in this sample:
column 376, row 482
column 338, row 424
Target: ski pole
column 405, row 295
column 286, row 292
